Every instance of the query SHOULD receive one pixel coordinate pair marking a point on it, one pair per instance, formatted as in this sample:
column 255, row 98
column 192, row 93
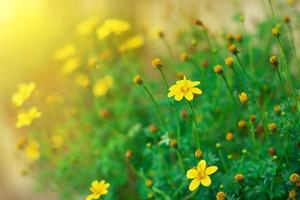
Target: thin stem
column 228, row 87
column 180, row 162
column 272, row 10
column 222, row 160
column 156, row 106
column 254, row 140
column 164, row 78
column 196, row 124
column 168, row 47
column 242, row 66
column 163, row 194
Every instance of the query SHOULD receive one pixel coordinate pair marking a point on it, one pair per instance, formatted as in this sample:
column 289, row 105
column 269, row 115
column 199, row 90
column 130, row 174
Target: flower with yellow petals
column 65, row 52
column 26, row 118
column 82, row 80
column 98, row 188
column 132, row 43
column 184, row 88
column 87, row 26
column 32, row 150
column 243, row 98
column 70, row 65
column 200, row 175
column 57, row 141
column 23, row 93
column 102, row 86
column 112, row 26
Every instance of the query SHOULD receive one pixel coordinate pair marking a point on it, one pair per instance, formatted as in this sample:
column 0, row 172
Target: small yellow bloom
column 103, row 85
column 229, row 136
column 65, row 52
column 132, row 43
column 26, row 118
column 32, row 150
column 57, row 141
column 184, row 88
column 200, row 174
column 70, row 65
column 229, row 61
column 112, row 26
column 87, row 26
column 220, row 196
column 23, row 93
column 82, row 80
column 98, row 188
column 243, row 98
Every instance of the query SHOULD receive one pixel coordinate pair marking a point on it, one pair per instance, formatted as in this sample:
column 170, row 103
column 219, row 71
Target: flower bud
column 294, row 178
column 229, row 136
column 274, row 61
column 276, row 31
column 153, row 128
column 156, row 62
column 173, row 143
column 252, row 118
column 198, row 153
column 286, row 19
column 233, row 49
column 229, row 61
column 138, row 79
column 293, row 194
column 239, row 37
column 197, row 22
column 220, row 196
column 243, row 98
column 272, row 127
column 239, row 177
column 277, row 109
column 242, row 124
column 272, row 151
column 218, row 69
column 128, row 154
column 184, row 56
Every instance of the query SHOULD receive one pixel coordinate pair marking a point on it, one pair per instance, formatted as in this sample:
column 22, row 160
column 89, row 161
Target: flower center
column 184, row 89
column 201, row 175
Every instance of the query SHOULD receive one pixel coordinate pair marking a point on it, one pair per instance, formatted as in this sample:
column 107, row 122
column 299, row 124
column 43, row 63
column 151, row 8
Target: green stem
column 168, row 47
column 222, row 160
column 163, row 194
column 164, row 78
column 254, row 141
column 284, row 91
column 180, row 162
column 228, row 87
column 242, row 66
column 190, row 195
column 156, row 106
column 196, row 124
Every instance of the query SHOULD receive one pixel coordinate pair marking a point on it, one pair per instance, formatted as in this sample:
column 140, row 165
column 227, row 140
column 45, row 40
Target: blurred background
column 31, row 30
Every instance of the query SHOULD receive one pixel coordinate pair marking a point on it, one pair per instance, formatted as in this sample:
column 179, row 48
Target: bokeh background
column 31, row 30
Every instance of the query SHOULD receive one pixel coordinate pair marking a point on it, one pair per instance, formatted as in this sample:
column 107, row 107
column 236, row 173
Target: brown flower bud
column 277, row 109
column 173, row 143
column 220, row 196
column 198, row 153
column 230, row 37
column 197, row 22
column 286, row 19
column 205, row 63
column 272, row 151
column 274, row 61
column 239, row 37
column 153, row 128
column 239, row 177
column 184, row 114
column 104, row 113
column 233, row 49
column 272, row 127
column 252, row 118
column 295, row 177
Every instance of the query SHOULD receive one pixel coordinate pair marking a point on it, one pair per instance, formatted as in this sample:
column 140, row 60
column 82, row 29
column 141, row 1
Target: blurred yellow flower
column 87, row 26
column 102, row 86
column 82, row 80
column 26, row 118
column 200, row 174
column 70, row 65
column 21, row 142
column 98, row 188
column 132, row 43
column 243, row 98
column 57, row 141
column 112, row 26
column 32, row 150
column 54, row 98
column 65, row 52
column 184, row 88
column 23, row 93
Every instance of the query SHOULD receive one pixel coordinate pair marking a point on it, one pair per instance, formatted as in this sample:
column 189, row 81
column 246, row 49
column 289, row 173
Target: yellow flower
column 23, row 93
column 112, row 26
column 87, row 26
column 70, row 65
column 65, row 52
column 200, row 175
column 243, row 98
column 32, row 150
column 184, row 88
column 82, row 80
column 132, row 43
column 98, row 188
column 57, row 141
column 26, row 118
column 102, row 86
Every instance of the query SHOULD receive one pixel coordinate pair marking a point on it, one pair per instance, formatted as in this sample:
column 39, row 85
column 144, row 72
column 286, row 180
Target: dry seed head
column 294, row 178
column 218, row 69
column 153, row 128
column 156, row 62
column 272, row 151
column 198, row 153
column 274, row 61
column 252, row 118
column 138, row 79
column 229, row 61
column 104, row 113
column 229, row 136
column 205, row 63
column 233, row 49
column 220, row 196
column 272, row 127
column 239, row 177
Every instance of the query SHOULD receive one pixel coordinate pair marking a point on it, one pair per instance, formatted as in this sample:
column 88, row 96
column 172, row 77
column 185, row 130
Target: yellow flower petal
column 196, row 91
column 201, row 165
column 210, row 170
column 206, row 181
column 189, row 96
column 192, row 173
column 92, row 196
column 106, row 185
column 194, row 184
column 178, row 97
